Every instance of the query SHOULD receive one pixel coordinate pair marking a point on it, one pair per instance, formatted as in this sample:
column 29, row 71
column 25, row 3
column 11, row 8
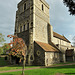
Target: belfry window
column 31, row 24
column 24, row 28
column 24, row 6
column 42, row 7
column 31, row 8
column 20, row 28
column 27, row 26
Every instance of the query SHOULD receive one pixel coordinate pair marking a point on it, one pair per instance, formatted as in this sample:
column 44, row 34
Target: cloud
column 62, row 22
column 7, row 16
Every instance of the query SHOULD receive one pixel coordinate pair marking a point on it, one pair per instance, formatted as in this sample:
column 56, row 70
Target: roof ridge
column 46, row 46
column 58, row 33
column 65, row 38
column 60, row 37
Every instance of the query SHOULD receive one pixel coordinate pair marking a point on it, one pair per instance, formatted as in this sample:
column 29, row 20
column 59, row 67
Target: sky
column 62, row 22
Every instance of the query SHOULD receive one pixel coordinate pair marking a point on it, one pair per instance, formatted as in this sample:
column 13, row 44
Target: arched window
column 31, row 8
column 42, row 7
column 27, row 26
column 24, row 6
column 20, row 28
column 31, row 24
column 31, row 58
column 24, row 28
column 27, row 59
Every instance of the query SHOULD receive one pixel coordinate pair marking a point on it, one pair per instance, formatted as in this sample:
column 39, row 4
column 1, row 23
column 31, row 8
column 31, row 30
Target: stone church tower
column 32, row 20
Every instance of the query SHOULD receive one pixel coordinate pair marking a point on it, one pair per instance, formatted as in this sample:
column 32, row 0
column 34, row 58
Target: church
column 44, row 46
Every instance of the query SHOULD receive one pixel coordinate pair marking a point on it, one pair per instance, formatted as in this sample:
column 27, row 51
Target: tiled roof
column 60, row 37
column 47, row 47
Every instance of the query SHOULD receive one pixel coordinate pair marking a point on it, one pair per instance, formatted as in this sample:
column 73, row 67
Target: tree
column 1, row 50
column 1, row 42
column 1, row 38
column 71, row 5
column 19, row 49
column 5, row 48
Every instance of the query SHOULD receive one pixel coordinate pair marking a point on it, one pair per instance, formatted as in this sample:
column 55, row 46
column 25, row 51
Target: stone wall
column 24, row 35
column 41, row 21
column 23, row 17
column 21, row 5
column 61, row 42
column 38, row 4
column 39, row 55
column 51, row 58
column 63, row 46
column 50, row 33
column 41, row 30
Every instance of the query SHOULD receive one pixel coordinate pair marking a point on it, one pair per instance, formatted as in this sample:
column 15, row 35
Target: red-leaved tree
column 18, row 49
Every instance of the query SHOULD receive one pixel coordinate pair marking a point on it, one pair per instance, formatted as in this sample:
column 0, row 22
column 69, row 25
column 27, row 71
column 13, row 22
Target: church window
column 38, row 52
column 27, row 25
column 24, row 28
column 42, row 7
column 31, row 24
column 20, row 28
column 57, row 45
column 31, row 58
column 31, row 8
column 27, row 59
column 24, row 6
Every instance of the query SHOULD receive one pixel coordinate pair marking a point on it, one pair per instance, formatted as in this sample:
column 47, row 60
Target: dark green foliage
column 3, row 62
column 71, row 5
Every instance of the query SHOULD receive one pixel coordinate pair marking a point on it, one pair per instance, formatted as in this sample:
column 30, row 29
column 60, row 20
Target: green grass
column 13, row 67
column 61, row 63
column 68, row 70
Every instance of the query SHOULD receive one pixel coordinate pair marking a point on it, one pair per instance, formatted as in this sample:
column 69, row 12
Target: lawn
column 68, row 70
column 5, row 65
column 13, row 67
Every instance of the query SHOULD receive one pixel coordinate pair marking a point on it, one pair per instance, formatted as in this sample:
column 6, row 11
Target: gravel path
column 34, row 68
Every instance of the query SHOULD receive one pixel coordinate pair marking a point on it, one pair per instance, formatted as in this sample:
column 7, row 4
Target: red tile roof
column 47, row 47
column 60, row 37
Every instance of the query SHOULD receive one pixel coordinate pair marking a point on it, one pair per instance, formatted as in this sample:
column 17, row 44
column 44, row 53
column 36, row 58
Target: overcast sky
column 62, row 22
